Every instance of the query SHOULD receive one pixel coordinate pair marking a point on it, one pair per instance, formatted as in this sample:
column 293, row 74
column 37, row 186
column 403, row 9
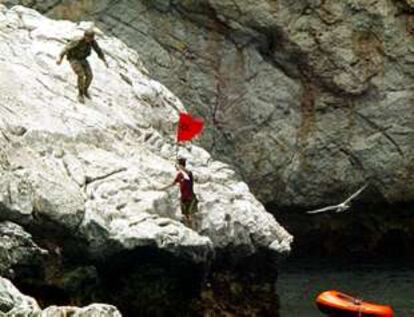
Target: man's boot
column 87, row 95
column 81, row 94
column 81, row 99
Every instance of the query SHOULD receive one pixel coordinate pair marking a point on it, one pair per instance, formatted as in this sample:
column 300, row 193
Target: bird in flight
column 342, row 206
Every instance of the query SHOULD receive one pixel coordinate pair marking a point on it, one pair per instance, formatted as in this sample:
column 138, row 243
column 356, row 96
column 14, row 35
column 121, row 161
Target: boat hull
column 337, row 304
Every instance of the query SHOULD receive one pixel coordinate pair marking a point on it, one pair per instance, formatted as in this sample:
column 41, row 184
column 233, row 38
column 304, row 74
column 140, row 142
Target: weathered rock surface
column 13, row 303
column 308, row 99
column 17, row 248
column 95, row 310
column 92, row 168
column 82, row 178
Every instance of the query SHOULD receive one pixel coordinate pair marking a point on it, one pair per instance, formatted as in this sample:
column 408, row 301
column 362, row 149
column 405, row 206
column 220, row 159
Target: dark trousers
column 84, row 72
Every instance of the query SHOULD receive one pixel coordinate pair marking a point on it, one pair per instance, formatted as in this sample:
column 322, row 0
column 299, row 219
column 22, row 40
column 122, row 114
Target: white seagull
column 342, row 206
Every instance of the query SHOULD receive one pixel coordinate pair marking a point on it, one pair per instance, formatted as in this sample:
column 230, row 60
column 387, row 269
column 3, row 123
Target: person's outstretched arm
column 176, row 180
column 99, row 51
column 66, row 49
column 167, row 186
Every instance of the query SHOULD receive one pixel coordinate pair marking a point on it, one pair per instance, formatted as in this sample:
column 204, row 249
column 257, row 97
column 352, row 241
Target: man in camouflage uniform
column 77, row 52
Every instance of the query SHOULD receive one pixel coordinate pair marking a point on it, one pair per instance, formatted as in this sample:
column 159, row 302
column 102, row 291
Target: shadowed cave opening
column 140, row 282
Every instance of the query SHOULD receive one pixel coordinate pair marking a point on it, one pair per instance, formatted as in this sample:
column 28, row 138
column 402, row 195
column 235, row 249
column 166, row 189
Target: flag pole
column 177, row 143
column 177, row 147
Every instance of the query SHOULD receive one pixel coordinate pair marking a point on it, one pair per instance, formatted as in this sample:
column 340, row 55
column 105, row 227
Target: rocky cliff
column 307, row 99
column 81, row 182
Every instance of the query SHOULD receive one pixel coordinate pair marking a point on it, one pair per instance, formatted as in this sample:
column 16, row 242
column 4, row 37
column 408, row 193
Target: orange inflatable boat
column 334, row 303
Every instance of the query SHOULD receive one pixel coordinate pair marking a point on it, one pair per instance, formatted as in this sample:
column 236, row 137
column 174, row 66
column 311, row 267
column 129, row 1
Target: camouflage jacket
column 78, row 49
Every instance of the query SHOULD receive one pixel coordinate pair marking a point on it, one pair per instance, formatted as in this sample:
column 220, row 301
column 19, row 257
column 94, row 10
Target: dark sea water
column 301, row 280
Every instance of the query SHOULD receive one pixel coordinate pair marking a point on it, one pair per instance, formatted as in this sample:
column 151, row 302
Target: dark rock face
column 23, row 261
column 242, row 288
column 17, row 250
column 307, row 99
column 373, row 232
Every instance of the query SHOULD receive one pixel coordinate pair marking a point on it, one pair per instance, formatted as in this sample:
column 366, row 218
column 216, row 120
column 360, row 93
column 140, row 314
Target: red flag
column 188, row 127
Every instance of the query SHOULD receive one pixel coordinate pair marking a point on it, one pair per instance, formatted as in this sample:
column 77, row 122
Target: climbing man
column 77, row 52
column 189, row 200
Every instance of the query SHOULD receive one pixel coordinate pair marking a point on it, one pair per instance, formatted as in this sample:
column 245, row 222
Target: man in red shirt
column 185, row 180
